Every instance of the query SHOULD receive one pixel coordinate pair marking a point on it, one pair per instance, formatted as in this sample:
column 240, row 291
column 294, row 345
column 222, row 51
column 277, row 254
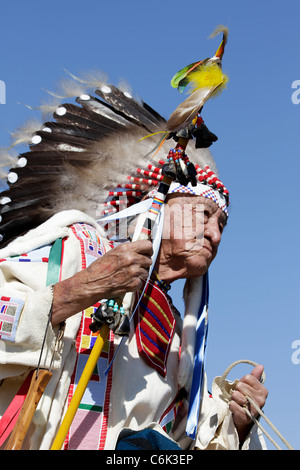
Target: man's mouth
column 209, row 248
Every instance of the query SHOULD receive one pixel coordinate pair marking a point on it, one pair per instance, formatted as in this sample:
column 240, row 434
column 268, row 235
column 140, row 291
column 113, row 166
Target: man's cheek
column 194, row 246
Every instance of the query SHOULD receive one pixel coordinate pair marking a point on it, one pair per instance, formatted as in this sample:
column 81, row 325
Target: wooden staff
column 39, row 381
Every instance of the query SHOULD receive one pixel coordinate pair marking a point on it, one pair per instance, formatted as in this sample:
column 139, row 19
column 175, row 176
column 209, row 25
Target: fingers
column 257, row 372
column 117, row 272
column 139, row 252
column 239, row 398
column 127, row 265
column 143, row 247
column 240, row 418
column 144, row 251
column 250, row 386
column 140, row 260
column 134, row 262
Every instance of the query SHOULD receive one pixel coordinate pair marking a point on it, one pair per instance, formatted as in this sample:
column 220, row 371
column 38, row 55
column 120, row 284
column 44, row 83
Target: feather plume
column 24, row 134
column 205, row 79
column 67, row 89
column 92, row 79
column 218, row 30
column 180, row 79
column 211, row 76
column 183, row 77
column 187, row 110
column 8, row 159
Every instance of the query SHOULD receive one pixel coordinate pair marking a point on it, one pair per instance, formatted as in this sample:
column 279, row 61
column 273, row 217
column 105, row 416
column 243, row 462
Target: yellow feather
column 150, row 135
column 210, row 76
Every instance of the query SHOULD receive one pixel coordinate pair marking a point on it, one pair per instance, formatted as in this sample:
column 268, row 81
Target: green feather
column 181, row 79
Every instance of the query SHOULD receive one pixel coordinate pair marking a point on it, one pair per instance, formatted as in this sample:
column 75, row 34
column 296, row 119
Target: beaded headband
column 146, row 182
column 208, row 185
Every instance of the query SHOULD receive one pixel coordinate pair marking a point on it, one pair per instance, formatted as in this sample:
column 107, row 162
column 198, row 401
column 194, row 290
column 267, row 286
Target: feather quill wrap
column 183, row 77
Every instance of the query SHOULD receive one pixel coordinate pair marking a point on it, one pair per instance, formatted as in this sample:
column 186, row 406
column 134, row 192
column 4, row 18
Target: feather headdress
column 77, row 160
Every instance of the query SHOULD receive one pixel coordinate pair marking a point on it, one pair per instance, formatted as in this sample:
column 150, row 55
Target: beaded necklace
column 162, row 284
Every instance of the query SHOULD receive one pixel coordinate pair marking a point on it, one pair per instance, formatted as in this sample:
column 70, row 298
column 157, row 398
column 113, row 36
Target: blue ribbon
column 198, row 373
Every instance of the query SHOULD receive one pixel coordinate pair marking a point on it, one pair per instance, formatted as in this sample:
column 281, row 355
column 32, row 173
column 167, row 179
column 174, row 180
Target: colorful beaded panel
column 89, row 427
column 10, row 310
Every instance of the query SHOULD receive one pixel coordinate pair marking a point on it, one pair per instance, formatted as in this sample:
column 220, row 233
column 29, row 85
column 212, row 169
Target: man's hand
column 249, row 385
column 119, row 271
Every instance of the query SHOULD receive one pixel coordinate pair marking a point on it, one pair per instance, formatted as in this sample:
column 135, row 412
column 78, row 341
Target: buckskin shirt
column 135, row 382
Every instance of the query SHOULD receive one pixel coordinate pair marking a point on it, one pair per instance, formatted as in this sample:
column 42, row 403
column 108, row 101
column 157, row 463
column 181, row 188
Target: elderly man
column 62, row 269
column 123, row 269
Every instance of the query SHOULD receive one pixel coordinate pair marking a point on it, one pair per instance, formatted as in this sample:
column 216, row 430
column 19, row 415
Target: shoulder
column 57, row 226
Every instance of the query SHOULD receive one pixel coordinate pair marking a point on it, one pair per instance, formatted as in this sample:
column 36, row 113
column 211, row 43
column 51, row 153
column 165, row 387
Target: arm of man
column 248, row 385
column 119, row 271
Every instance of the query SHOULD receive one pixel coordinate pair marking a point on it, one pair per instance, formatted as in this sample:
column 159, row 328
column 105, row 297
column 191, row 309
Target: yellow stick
column 80, row 389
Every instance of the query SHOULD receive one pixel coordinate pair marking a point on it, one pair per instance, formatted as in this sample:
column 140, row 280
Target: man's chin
column 197, row 269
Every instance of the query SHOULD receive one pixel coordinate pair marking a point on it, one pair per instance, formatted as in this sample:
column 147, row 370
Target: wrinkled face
column 193, row 227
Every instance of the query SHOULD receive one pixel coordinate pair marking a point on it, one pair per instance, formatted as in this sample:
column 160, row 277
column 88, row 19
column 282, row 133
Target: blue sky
column 254, row 301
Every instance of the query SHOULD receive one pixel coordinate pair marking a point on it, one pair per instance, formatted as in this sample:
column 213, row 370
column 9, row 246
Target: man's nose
column 212, row 230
